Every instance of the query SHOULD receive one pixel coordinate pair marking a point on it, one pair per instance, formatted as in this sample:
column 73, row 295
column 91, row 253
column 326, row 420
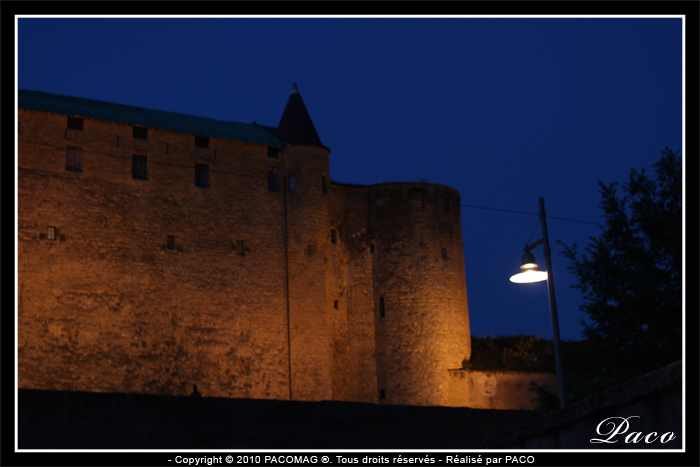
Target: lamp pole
column 553, row 307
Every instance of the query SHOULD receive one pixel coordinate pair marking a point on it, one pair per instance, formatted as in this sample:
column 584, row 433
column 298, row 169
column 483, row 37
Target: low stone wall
column 497, row 389
column 651, row 405
column 84, row 420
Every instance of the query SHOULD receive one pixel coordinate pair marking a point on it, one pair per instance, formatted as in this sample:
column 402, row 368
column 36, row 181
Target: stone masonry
column 258, row 284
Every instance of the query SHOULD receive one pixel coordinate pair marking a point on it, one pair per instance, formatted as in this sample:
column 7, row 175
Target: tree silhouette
column 631, row 275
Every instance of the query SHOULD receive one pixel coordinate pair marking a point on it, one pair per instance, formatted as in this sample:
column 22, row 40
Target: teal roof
column 139, row 116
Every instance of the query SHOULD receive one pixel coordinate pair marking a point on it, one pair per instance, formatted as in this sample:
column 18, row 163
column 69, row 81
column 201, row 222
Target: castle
column 158, row 251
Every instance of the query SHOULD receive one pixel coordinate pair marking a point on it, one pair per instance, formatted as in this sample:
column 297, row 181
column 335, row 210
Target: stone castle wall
column 110, row 308
column 502, row 390
column 307, row 226
column 351, row 309
column 342, row 292
column 418, row 274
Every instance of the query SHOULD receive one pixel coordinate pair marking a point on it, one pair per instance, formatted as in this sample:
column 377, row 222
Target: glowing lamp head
column 529, row 271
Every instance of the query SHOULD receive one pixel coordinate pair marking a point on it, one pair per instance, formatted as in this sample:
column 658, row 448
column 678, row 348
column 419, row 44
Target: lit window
column 273, row 181
column 52, row 233
column 140, row 132
column 201, row 175
column 171, row 242
column 139, row 167
column 272, row 152
column 201, row 141
column 74, row 158
column 292, row 182
column 75, row 123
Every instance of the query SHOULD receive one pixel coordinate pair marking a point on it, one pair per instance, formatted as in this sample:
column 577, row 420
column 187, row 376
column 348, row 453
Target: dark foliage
column 511, row 353
column 547, row 401
column 631, row 276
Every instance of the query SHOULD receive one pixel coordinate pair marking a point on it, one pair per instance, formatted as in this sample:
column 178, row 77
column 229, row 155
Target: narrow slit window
column 272, row 152
column 335, row 303
column 139, row 167
column 201, row 142
column 75, row 123
column 171, row 242
column 240, row 247
column 371, row 248
column 273, row 181
column 201, row 175
column 74, row 158
column 140, row 132
column 324, row 187
column 382, row 394
column 444, row 253
column 381, row 307
column 292, row 181
column 334, row 236
column 51, row 234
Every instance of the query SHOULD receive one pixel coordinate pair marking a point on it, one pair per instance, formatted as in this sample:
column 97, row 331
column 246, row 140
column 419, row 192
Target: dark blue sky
column 505, row 110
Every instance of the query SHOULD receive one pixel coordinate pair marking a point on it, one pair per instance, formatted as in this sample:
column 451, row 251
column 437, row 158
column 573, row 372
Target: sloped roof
column 295, row 126
column 139, row 116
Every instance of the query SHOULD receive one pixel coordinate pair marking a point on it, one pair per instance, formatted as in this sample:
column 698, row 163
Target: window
column 52, row 233
column 292, row 182
column 371, row 248
column 444, row 253
column 201, row 141
column 382, row 394
column 335, row 303
column 324, row 188
column 75, row 123
column 74, row 158
column 171, row 242
column 140, row 132
column 139, row 168
column 334, row 236
column 272, row 152
column 240, row 247
column 381, row 307
column 273, row 181
column 201, row 175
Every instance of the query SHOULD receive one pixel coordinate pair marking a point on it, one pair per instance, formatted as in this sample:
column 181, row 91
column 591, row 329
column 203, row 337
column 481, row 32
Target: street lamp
column 530, row 272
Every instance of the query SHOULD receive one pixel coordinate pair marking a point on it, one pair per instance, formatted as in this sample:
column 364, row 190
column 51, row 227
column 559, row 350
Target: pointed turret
column 295, row 126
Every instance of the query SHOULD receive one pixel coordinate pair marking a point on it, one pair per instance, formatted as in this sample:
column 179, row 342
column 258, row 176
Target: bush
column 511, row 353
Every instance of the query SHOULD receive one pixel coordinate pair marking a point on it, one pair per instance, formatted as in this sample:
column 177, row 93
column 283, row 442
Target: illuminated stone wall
column 307, row 220
column 503, row 390
column 419, row 281
column 351, row 313
column 108, row 307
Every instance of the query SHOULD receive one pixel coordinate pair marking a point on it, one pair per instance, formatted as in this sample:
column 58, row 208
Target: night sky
column 505, row 110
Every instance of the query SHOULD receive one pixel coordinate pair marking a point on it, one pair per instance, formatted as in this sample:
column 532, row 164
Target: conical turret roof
column 295, row 126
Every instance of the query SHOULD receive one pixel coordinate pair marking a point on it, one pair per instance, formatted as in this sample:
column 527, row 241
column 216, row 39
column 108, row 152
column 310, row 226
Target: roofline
column 282, row 145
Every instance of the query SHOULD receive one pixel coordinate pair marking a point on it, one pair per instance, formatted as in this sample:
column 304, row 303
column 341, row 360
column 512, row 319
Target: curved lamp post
column 530, row 272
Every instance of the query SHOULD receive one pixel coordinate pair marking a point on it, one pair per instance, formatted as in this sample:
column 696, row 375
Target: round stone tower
column 422, row 317
column 304, row 179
